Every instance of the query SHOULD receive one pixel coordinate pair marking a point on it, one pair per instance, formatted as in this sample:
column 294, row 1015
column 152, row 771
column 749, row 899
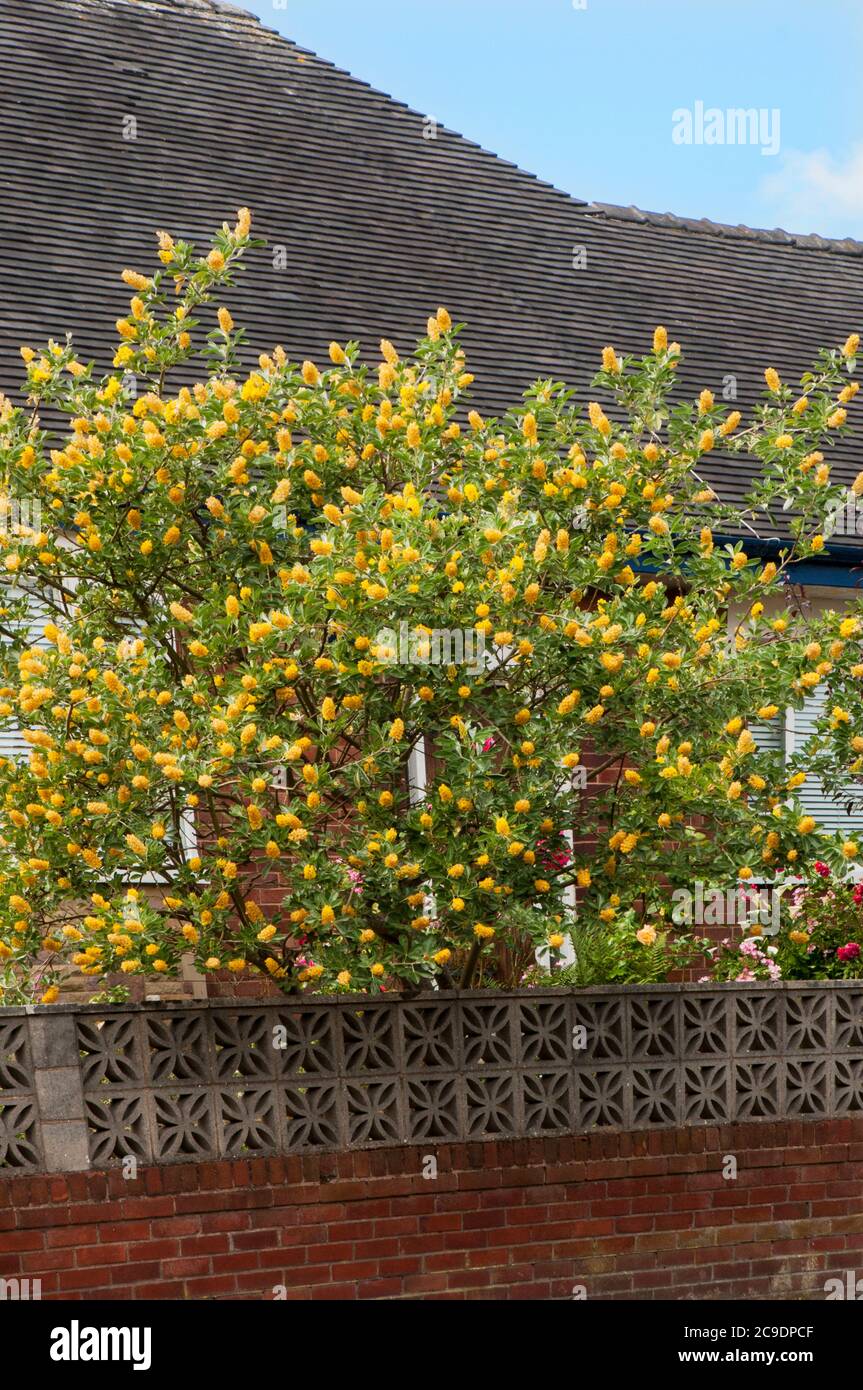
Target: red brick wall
column 645, row 1215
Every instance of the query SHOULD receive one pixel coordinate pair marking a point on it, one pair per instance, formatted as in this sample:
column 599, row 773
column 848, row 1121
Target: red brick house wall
column 619, row 1216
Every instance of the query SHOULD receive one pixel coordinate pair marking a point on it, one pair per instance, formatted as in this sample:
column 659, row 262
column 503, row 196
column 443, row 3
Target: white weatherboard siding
column 789, row 735
column 12, row 744
column 825, row 803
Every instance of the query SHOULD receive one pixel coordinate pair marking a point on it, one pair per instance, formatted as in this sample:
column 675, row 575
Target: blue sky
column 583, row 93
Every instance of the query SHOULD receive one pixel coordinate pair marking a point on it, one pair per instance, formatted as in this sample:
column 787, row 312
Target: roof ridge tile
column 776, row 235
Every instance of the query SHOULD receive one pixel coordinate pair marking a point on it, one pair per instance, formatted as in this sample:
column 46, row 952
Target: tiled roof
column 380, row 223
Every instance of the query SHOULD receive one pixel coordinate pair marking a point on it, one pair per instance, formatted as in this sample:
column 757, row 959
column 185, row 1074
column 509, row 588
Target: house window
column 826, row 803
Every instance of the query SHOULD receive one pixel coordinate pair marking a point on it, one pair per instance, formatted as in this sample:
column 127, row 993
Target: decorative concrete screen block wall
column 88, row 1088
column 19, row 1120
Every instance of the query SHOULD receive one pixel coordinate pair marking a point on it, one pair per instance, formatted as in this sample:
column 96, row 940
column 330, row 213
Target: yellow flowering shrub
column 264, row 596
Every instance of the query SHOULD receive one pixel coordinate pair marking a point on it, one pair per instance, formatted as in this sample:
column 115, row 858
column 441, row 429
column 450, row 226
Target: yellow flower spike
column 136, row 281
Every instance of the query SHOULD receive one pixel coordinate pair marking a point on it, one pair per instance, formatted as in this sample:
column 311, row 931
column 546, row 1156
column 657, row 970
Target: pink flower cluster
column 750, row 949
column 356, row 879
